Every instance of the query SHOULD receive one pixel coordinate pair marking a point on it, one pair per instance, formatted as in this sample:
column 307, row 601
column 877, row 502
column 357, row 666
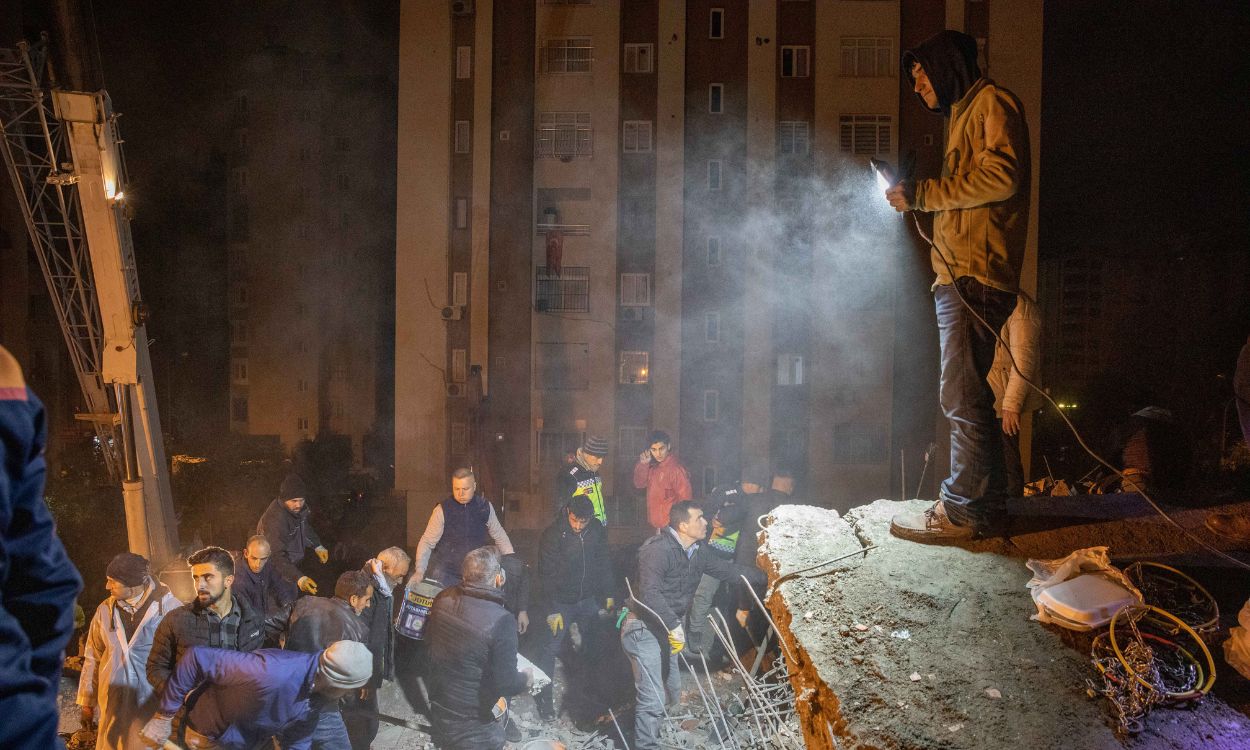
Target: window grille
column 635, row 289
column 568, row 291
column 865, row 135
column 636, row 137
column 867, row 56
column 568, row 55
column 794, row 137
column 564, row 135
column 635, row 368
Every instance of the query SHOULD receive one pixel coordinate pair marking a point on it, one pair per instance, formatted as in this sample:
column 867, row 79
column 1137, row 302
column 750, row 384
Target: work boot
column 1234, row 526
column 512, row 732
column 931, row 526
column 545, row 704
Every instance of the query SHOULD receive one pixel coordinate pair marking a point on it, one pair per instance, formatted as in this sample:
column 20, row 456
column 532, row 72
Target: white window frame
column 463, row 140
column 800, row 65
column 564, row 135
column 713, row 251
column 639, row 58
column 635, row 290
column 790, row 369
column 794, row 137
column 464, row 62
column 711, row 406
column 709, row 479
column 630, row 362
column 716, row 98
column 636, row 137
column 238, row 371
column 459, row 365
column 301, row 423
column 715, row 168
column 459, row 438
column 716, row 17
column 568, row 55
column 880, row 51
column 462, row 213
column 865, row 135
column 459, row 289
column 711, row 327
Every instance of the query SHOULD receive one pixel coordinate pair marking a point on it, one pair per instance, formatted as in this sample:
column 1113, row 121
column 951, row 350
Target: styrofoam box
column 1086, row 601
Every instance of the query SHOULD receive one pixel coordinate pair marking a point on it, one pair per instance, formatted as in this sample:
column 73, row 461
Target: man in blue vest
column 457, row 526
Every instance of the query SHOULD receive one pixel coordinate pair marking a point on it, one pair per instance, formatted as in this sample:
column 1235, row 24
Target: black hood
column 950, row 60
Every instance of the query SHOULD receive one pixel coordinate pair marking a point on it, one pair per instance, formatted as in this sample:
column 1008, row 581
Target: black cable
column 1075, row 432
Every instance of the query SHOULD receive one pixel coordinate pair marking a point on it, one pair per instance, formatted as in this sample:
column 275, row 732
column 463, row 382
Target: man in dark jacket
column 215, row 618
column 462, row 522
column 387, row 571
column 38, row 583
column 980, row 207
column 473, row 657
column 581, row 479
column 670, row 565
column 575, row 572
column 285, row 524
column 259, row 583
column 317, row 621
column 243, row 699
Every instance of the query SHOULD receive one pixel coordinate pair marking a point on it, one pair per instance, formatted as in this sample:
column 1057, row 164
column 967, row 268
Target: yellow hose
column 1203, row 690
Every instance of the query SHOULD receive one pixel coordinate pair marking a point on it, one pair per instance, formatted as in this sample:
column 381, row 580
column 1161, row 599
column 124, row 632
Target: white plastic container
column 1085, row 602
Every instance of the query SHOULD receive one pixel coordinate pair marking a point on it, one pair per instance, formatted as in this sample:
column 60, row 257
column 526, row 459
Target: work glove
column 555, row 623
column 608, row 603
column 307, row 585
column 676, row 640
column 86, row 716
column 742, row 616
column 323, row 554
column 157, row 730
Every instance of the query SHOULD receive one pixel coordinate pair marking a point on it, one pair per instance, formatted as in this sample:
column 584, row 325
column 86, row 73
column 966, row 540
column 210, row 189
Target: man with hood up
column 285, row 524
column 980, row 205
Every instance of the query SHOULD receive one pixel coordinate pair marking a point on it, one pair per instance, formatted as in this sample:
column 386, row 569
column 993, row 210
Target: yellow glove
column 323, row 554
column 307, row 585
column 555, row 622
column 607, row 603
column 676, row 639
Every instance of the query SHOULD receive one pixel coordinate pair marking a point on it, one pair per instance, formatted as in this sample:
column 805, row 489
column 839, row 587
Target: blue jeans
column 655, row 670
column 975, row 491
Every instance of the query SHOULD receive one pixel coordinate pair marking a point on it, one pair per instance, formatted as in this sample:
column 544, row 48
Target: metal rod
column 711, row 713
column 618, row 728
column 780, row 638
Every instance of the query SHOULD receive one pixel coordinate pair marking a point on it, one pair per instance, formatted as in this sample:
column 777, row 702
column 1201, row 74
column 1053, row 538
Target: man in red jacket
column 663, row 477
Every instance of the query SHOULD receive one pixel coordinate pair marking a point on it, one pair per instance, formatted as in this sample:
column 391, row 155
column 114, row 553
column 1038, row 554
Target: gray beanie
column 346, row 664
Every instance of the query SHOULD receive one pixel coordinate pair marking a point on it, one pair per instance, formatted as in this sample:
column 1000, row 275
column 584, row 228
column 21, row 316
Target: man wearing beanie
column 285, row 524
column 113, row 691
column 582, row 478
column 244, row 699
column 981, row 215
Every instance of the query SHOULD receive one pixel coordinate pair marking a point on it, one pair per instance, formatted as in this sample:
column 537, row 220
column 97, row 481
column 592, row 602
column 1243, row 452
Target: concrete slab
column 918, row 646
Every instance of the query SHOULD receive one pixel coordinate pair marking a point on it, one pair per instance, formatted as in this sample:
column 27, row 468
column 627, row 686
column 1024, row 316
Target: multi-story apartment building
column 310, row 196
column 622, row 216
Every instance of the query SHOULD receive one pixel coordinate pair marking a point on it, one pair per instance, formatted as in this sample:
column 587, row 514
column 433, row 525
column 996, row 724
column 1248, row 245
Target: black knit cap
column 292, row 486
column 595, row 446
column 128, row 569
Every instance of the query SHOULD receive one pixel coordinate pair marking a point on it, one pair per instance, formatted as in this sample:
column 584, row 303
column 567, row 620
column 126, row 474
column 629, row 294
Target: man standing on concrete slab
column 663, row 477
column 113, row 690
column 1021, row 344
column 981, row 210
column 285, row 524
column 670, row 566
column 582, row 478
column 459, row 524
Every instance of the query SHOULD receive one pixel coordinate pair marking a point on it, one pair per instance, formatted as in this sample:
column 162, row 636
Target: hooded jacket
column 573, row 566
column 666, row 483
column 981, row 200
column 289, row 534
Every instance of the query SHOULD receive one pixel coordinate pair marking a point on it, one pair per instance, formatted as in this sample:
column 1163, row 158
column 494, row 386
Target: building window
column 711, row 327
column 713, row 174
column 709, row 480
column 462, row 137
column 794, row 137
column 568, row 55
column 238, row 371
column 636, row 137
column 301, row 386
column 859, row 443
column 462, row 213
column 564, row 135
column 639, row 58
column 459, row 438
column 635, row 368
column 464, row 62
column 553, row 447
column 865, row 135
column 790, row 369
column 796, row 61
column 459, row 289
column 238, row 332
column 566, row 291
column 459, row 367
column 716, row 98
column 561, row 366
column 716, row 23
column 711, row 406
column 238, row 409
column 630, row 442
column 713, row 251
column 867, row 56
column 301, row 423
column 635, row 290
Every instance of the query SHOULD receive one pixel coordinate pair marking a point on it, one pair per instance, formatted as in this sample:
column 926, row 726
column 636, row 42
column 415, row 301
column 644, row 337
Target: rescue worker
column 318, row 621
column 387, row 571
column 259, row 583
column 463, row 522
column 663, row 477
column 114, row 694
column 581, row 478
column 286, row 525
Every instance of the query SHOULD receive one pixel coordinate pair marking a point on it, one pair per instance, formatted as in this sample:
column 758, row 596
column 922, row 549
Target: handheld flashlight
column 884, row 173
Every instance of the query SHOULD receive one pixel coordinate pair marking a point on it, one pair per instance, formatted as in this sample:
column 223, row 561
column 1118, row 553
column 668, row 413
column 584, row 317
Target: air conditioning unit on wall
column 462, row 7
column 452, row 312
column 455, row 390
